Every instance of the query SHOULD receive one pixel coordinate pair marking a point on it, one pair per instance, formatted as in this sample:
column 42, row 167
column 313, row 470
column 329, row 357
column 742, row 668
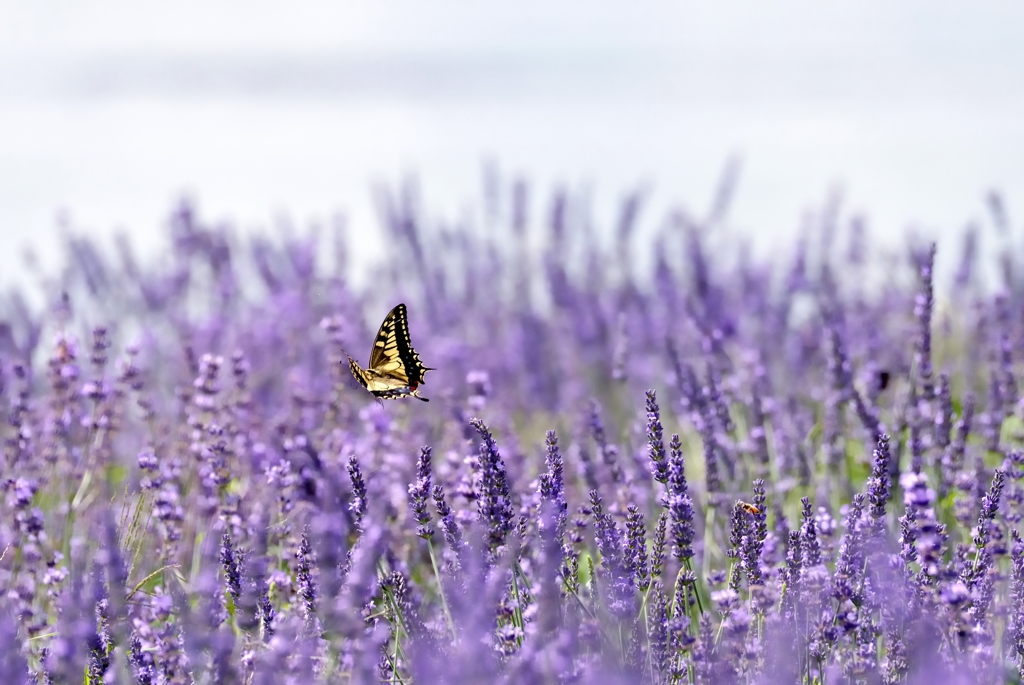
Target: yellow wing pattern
column 395, row 369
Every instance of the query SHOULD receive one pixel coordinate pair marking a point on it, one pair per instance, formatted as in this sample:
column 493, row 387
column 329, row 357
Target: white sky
column 110, row 110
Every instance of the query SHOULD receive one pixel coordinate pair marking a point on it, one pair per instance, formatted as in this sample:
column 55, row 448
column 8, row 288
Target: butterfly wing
column 380, row 385
column 358, row 372
column 385, row 357
column 393, row 355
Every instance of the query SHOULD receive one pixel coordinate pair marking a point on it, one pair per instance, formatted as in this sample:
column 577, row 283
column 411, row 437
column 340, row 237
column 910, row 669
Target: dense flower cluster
column 802, row 469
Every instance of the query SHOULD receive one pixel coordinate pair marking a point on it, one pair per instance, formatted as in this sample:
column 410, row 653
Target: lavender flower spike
column 636, row 548
column 419, row 494
column 552, row 483
column 494, row 497
column 923, row 305
column 879, row 485
column 655, row 441
column 679, row 504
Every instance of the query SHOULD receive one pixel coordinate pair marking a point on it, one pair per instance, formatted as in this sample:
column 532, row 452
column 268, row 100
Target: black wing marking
column 385, row 345
column 358, row 373
column 393, row 354
column 414, row 368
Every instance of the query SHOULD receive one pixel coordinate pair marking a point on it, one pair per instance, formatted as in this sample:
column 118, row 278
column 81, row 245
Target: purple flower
column 141, row 662
column 617, row 578
column 100, row 642
column 989, row 509
column 811, row 552
column 267, row 613
column 923, row 304
column 75, row 634
column 658, row 546
column 100, row 345
column 479, row 383
column 205, row 384
column 357, row 505
column 306, row 584
column 1007, row 382
column 1015, row 635
column 552, row 483
column 686, row 380
column 752, row 544
column 494, row 501
column 232, row 571
column 977, row 576
column 659, row 631
column 450, row 528
column 608, row 452
column 992, row 418
column 758, row 431
column 620, row 350
column 922, row 536
column 839, row 366
column 707, row 435
column 419, row 493
column 878, row 485
column 655, row 442
column 738, row 534
column 679, row 504
column 636, row 548
column 944, row 415
column 846, row 582
column 715, row 401
column 953, row 456
column 291, row 504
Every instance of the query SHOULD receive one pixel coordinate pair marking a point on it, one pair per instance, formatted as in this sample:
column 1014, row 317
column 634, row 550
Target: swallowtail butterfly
column 395, row 369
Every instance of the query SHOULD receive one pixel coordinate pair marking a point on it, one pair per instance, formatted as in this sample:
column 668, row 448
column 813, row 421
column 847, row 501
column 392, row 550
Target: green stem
column 440, row 590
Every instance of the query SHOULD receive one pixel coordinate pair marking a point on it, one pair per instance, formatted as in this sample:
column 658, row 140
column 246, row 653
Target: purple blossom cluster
column 806, row 467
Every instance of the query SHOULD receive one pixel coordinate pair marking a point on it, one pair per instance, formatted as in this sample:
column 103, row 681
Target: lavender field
column 646, row 458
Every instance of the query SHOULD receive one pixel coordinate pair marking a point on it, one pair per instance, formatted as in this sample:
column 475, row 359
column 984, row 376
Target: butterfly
column 395, row 369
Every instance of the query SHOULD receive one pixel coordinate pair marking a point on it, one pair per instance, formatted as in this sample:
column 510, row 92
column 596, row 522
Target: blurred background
column 266, row 113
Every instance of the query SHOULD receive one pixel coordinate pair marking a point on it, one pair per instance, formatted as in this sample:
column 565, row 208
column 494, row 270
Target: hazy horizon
column 110, row 111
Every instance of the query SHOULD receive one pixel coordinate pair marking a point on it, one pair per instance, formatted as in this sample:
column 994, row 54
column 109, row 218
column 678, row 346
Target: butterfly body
column 395, row 370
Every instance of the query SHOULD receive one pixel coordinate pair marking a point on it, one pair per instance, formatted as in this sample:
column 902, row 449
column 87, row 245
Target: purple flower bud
column 357, row 505
column 618, row 582
column 655, row 442
column 658, row 547
column 608, row 452
column 636, row 548
column 1007, row 381
column 231, row 566
column 752, row 544
column 419, row 493
column 479, row 383
column 306, row 584
column 452, row 532
column 679, row 504
column 811, row 552
column 1015, row 633
column 878, row 484
column 494, row 502
column 659, row 631
column 552, row 483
